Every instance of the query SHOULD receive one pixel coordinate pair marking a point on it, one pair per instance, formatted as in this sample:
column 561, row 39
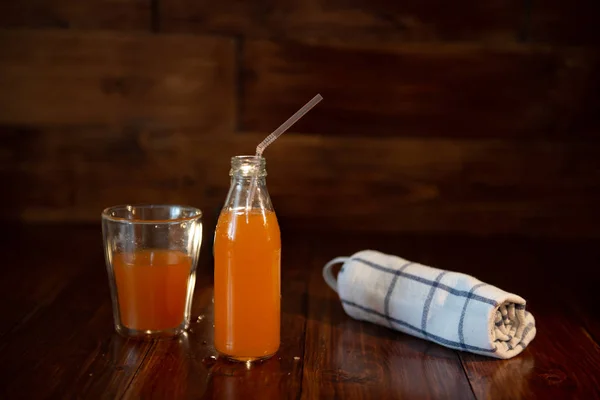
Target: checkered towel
column 448, row 308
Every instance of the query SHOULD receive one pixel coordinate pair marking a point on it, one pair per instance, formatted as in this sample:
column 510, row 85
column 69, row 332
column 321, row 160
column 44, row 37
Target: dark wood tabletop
column 58, row 341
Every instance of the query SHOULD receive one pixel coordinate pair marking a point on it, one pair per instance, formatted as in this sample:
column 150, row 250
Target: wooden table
column 57, row 337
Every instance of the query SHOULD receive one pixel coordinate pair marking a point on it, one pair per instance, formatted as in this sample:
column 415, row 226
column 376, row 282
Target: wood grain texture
column 348, row 20
column 180, row 368
column 59, row 347
column 535, row 373
column 563, row 22
column 97, row 79
column 559, row 304
column 561, row 335
column 450, row 90
column 73, row 174
column 68, row 349
column 582, row 305
column 395, row 185
column 89, row 14
column 426, row 185
column 581, row 296
column 30, row 296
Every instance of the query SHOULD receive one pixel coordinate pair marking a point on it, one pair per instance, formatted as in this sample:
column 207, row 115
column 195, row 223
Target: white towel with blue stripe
column 449, row 308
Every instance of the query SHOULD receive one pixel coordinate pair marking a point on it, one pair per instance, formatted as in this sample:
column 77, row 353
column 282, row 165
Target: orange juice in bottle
column 247, row 253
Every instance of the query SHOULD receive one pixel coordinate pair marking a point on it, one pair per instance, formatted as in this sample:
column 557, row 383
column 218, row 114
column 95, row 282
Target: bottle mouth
column 247, row 166
column 248, row 159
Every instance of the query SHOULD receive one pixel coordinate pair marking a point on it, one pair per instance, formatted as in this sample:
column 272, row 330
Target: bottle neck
column 247, row 180
column 248, row 174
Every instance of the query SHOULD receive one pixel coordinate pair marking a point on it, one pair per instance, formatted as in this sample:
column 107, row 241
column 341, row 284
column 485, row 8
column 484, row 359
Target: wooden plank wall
column 478, row 117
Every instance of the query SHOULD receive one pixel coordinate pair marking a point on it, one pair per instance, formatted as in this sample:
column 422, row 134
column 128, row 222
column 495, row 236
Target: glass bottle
column 247, row 254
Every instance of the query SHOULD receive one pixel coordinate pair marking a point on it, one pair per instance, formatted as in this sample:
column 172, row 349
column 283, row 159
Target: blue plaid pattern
column 388, row 295
column 438, row 339
column 434, row 285
column 417, row 278
column 393, row 302
column 461, row 324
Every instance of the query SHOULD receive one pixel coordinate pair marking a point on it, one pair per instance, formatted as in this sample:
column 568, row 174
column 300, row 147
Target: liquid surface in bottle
column 152, row 288
column 247, row 284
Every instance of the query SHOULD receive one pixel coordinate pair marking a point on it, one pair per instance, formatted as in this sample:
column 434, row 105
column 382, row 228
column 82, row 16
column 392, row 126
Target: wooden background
column 480, row 116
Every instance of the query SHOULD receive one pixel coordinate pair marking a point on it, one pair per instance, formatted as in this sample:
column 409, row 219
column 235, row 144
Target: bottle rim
column 247, row 166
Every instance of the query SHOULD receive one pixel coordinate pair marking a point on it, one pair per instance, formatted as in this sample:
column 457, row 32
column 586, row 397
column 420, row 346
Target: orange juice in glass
column 151, row 254
column 247, row 253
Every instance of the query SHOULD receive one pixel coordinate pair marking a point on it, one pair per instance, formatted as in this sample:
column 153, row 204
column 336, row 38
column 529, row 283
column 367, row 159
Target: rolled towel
column 449, row 308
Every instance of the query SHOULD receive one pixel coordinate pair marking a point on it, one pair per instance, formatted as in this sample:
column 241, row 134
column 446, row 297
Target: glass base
column 151, row 334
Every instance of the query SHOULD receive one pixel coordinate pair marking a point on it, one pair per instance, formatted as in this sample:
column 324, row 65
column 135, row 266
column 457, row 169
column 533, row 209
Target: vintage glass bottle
column 247, row 254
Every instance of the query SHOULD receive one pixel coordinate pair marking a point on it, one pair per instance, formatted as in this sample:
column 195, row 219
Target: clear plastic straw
column 274, row 135
column 287, row 124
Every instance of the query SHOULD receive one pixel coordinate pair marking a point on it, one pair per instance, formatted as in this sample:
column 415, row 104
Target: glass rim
column 106, row 214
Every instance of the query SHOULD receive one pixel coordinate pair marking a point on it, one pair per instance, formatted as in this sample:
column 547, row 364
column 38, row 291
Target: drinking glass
column 151, row 254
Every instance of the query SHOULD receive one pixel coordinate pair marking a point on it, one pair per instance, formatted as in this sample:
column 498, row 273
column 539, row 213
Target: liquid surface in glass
column 152, row 286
